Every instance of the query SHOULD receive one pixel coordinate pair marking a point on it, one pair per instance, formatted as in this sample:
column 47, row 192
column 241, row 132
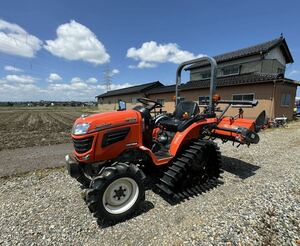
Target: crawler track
column 196, row 170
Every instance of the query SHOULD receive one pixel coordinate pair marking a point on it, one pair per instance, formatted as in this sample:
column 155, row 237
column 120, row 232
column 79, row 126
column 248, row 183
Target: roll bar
column 213, row 74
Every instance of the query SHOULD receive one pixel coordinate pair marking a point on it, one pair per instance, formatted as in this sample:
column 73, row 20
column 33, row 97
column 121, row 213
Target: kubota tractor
column 115, row 150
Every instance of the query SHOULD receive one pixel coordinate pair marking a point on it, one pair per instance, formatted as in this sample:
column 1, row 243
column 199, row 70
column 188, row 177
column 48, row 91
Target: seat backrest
column 191, row 108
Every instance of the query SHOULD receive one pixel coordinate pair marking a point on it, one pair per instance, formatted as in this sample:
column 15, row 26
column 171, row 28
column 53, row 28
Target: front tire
column 116, row 192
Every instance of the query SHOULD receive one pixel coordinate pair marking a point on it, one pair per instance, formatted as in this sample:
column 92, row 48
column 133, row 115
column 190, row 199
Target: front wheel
column 116, row 192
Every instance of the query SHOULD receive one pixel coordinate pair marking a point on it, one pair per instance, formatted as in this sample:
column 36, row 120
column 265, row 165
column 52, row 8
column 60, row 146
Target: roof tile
column 252, row 50
column 251, row 78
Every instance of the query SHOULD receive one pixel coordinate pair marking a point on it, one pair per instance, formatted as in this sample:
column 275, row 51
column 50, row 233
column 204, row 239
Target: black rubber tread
column 186, row 195
column 194, row 190
column 198, row 189
column 167, row 182
column 184, row 160
column 187, row 155
column 82, row 179
column 175, row 169
column 178, row 173
column 171, row 174
column 98, row 185
column 165, row 189
column 192, row 151
column 190, row 192
column 180, row 165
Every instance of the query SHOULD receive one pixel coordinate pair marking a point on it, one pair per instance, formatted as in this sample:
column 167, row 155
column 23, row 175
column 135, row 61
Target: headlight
column 80, row 128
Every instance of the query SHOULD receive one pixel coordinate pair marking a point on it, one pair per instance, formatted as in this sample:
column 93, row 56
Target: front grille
column 83, row 145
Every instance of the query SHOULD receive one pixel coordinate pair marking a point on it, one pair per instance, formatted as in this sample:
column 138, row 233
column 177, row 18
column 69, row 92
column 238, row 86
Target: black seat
column 178, row 122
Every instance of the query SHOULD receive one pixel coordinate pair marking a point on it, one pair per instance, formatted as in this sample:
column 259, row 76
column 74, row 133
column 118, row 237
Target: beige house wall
column 279, row 109
column 168, row 97
column 262, row 92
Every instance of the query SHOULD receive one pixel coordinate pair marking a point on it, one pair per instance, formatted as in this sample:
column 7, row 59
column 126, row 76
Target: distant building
column 253, row 73
column 109, row 100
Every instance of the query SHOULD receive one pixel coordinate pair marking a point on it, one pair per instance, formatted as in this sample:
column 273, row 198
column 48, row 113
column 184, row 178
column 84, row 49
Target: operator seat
column 178, row 122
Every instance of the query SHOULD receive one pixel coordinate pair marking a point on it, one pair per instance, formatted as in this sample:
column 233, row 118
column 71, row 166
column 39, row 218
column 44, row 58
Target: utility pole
column 107, row 74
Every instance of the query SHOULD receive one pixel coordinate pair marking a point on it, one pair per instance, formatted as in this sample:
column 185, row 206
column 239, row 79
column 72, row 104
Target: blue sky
column 141, row 41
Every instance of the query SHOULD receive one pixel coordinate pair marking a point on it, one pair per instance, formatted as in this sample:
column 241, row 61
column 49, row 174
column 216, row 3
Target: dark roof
column 132, row 89
column 250, row 78
column 252, row 50
column 168, row 88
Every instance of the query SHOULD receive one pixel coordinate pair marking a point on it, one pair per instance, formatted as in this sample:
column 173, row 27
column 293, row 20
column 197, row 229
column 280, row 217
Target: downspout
column 273, row 100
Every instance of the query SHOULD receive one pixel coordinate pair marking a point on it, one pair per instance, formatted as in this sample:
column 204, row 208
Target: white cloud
column 92, row 80
column 151, row 53
column 76, row 80
column 14, row 40
column 77, row 42
column 12, row 69
column 20, row 79
column 77, row 89
column 143, row 64
column 53, row 77
column 115, row 71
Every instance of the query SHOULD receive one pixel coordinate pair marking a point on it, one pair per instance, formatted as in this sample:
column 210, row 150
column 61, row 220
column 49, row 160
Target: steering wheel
column 147, row 101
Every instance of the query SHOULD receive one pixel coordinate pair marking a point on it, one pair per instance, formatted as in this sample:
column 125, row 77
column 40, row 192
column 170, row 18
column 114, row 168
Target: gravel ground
column 258, row 204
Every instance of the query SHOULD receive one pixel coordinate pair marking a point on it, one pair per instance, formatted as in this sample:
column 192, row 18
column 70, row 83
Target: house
column 253, row 73
column 109, row 100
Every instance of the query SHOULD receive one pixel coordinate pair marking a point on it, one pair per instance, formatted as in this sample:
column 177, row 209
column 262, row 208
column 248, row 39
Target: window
column 243, row 97
column 285, row 99
column 133, row 100
column 205, row 75
column 203, row 100
column 161, row 101
column 231, row 71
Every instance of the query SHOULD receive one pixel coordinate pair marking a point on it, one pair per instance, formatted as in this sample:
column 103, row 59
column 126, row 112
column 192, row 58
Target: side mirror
column 122, row 105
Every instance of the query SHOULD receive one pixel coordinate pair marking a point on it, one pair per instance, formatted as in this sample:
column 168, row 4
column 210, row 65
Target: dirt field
column 27, row 127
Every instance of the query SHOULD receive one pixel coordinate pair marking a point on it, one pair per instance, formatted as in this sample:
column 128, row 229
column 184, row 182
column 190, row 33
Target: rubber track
column 179, row 168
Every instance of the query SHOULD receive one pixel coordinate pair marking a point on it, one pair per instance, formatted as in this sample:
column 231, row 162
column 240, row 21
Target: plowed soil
column 29, row 127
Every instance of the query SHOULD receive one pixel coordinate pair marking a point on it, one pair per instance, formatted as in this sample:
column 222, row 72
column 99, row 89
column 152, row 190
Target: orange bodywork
column 230, row 123
column 192, row 132
column 104, row 123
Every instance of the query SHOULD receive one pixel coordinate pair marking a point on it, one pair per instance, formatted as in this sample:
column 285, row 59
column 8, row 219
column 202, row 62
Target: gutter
column 272, row 113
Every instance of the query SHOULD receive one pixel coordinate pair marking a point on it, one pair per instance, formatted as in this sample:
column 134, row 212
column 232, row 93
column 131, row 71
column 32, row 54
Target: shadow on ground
column 238, row 167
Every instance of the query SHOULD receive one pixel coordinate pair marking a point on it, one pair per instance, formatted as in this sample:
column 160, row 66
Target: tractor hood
column 102, row 121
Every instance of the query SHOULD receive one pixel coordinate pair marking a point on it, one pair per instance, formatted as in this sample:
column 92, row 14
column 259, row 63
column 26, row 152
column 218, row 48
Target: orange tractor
column 114, row 151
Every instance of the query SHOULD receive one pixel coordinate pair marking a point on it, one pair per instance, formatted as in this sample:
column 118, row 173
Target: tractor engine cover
column 107, row 136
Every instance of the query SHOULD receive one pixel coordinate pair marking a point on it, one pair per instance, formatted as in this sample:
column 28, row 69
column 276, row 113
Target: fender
column 192, row 132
